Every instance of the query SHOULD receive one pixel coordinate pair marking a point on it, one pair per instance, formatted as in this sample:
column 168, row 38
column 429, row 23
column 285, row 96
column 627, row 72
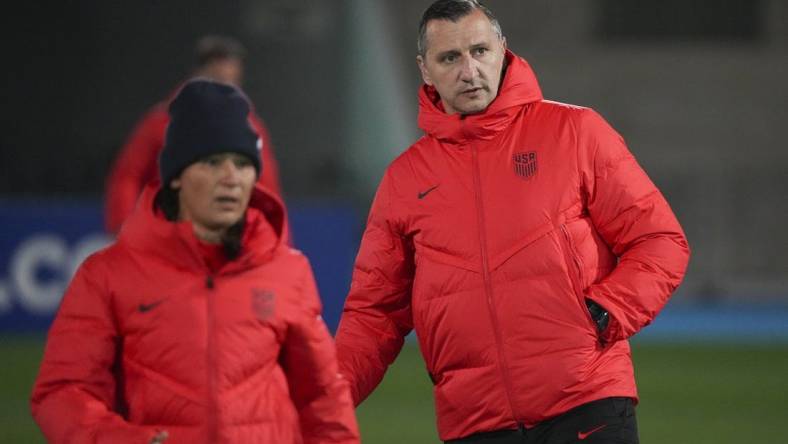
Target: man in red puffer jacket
column 199, row 325
column 523, row 243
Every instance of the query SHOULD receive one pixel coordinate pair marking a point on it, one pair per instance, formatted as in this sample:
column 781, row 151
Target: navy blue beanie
column 207, row 118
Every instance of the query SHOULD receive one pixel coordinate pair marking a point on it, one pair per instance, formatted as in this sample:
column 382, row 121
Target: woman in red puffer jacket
column 199, row 325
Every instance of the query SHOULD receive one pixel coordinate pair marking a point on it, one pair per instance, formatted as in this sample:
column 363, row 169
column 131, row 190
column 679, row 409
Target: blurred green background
column 699, row 393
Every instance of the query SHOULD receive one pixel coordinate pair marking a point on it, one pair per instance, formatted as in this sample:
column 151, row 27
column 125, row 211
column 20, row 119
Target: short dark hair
column 168, row 202
column 211, row 48
column 452, row 10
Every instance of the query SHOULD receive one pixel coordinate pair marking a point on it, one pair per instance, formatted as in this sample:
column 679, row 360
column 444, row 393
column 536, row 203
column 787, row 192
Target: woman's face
column 214, row 193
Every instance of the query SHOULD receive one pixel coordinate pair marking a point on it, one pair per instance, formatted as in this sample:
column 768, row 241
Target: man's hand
column 160, row 437
column 598, row 314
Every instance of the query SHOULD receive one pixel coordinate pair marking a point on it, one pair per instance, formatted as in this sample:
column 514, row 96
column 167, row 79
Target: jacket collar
column 518, row 88
column 149, row 232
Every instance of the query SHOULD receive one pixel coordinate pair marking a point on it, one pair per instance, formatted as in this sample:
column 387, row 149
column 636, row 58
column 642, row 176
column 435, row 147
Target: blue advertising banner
column 329, row 235
column 41, row 246
column 42, row 243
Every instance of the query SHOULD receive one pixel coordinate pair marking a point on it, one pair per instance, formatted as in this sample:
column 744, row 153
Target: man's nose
column 468, row 69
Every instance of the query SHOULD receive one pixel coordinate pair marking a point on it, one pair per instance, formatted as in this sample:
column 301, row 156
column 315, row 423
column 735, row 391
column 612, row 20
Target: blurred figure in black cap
column 216, row 57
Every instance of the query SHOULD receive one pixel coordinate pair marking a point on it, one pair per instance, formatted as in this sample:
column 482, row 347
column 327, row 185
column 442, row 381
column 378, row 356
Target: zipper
column 578, row 281
column 502, row 364
column 578, row 275
column 210, row 357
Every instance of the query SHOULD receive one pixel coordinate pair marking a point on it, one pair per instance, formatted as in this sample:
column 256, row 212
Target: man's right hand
column 598, row 313
column 160, row 437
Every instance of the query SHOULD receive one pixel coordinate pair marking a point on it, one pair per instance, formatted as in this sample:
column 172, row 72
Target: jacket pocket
column 575, row 269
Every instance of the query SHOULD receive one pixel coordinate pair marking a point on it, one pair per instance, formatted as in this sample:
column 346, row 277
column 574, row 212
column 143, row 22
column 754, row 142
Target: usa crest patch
column 525, row 164
column 263, row 303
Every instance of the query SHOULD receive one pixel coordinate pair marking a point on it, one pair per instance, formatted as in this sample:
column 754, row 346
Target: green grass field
column 692, row 394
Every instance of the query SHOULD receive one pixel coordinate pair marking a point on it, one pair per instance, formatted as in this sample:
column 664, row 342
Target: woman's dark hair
column 167, row 201
column 232, row 239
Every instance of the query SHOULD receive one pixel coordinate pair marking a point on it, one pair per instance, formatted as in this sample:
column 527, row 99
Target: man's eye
column 480, row 51
column 449, row 59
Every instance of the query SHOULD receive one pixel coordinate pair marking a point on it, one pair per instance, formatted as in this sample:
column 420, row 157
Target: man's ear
column 175, row 184
column 425, row 75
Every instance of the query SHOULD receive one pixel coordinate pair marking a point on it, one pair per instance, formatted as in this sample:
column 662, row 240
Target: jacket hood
column 518, row 87
column 147, row 230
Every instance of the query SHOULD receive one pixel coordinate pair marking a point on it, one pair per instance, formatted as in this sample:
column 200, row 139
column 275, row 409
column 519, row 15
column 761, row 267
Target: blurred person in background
column 198, row 325
column 521, row 240
column 216, row 57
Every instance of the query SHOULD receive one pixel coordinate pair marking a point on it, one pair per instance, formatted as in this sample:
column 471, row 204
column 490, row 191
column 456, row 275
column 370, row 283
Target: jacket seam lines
column 575, row 129
column 635, row 206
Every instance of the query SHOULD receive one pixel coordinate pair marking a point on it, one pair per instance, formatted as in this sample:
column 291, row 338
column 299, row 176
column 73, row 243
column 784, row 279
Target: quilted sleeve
column 74, row 395
column 377, row 313
column 637, row 223
column 319, row 393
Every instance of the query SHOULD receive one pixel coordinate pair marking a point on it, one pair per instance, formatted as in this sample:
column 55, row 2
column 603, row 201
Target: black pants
column 606, row 421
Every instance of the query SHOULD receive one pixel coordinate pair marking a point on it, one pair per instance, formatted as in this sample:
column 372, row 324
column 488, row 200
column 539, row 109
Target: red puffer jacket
column 485, row 236
column 137, row 164
column 147, row 338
